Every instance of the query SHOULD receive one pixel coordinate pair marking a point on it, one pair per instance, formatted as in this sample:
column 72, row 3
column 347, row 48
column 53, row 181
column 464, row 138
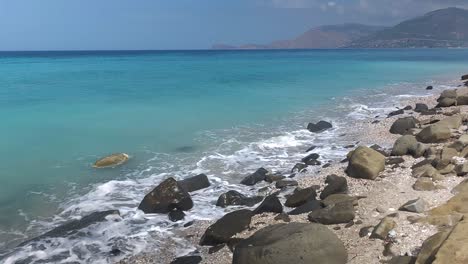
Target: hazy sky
column 184, row 24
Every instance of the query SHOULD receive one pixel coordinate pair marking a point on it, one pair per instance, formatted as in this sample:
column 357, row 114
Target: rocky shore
column 399, row 197
column 399, row 203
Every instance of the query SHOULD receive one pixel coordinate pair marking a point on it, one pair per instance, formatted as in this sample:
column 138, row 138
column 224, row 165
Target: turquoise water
column 171, row 111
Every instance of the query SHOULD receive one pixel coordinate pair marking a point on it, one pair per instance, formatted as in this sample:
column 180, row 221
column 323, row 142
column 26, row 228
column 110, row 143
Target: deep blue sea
column 176, row 113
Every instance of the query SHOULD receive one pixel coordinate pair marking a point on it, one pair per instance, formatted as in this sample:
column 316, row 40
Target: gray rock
column 299, row 167
column 383, row 228
column 424, row 184
column 195, row 183
column 300, row 197
column 309, row 206
column 297, row 243
column 434, row 133
column 285, row 183
column 339, row 213
column 405, row 145
column 256, row 177
column 319, row 127
column 396, row 112
column 421, row 107
column 187, row 260
column 271, row 204
column 403, row 125
column 335, row 184
column 236, row 198
column 365, row 163
column 222, row 230
column 414, row 206
column 166, row 197
column 339, row 198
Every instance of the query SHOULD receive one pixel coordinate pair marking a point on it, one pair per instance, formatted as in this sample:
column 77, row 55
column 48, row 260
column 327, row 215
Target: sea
column 177, row 114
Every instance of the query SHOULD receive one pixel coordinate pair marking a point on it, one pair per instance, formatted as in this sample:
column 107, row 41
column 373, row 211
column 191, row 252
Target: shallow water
column 223, row 113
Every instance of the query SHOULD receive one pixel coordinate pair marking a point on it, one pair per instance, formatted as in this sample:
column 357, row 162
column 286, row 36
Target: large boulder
column 256, row 177
column 222, row 230
column 297, row 243
column 111, row 160
column 403, row 125
column 166, row 197
column 365, row 163
column 319, row 127
column 420, row 107
column 434, row 133
column 195, row 183
column 236, row 198
column 452, row 122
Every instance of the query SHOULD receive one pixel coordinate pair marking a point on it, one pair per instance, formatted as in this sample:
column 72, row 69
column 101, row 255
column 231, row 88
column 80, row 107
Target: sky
column 185, row 24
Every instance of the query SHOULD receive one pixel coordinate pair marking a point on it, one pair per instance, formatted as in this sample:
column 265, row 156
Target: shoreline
column 380, row 197
column 367, row 214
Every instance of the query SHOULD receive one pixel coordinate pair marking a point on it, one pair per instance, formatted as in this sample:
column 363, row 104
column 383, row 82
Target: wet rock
column 74, row 226
column 274, row 178
column 167, row 196
column 319, row 127
column 424, row 184
column 236, row 198
column 335, row 184
column 256, row 177
column 396, row 112
column 299, row 167
column 187, row 260
column 176, row 215
column 434, row 133
column 111, row 160
column 311, row 148
column 297, row 243
column 340, row 213
column 300, row 197
column 309, row 206
column 464, row 77
column 285, row 183
column 429, row 87
column 195, row 183
column 271, row 204
column 365, row 163
column 403, row 125
column 383, row 228
column 311, row 159
column 414, row 206
column 421, row 107
column 222, row 230
column 408, row 107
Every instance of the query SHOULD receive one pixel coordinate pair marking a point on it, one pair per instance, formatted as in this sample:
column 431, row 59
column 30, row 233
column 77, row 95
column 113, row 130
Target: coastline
column 379, row 198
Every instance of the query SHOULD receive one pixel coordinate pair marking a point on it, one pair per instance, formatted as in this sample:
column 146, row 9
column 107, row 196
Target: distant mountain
column 331, row 36
column 441, row 28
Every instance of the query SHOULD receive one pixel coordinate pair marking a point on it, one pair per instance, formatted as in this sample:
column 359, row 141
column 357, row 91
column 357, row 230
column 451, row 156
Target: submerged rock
column 365, row 163
column 222, row 230
column 319, row 127
column 74, row 226
column 236, row 198
column 111, row 161
column 297, row 243
column 166, row 197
